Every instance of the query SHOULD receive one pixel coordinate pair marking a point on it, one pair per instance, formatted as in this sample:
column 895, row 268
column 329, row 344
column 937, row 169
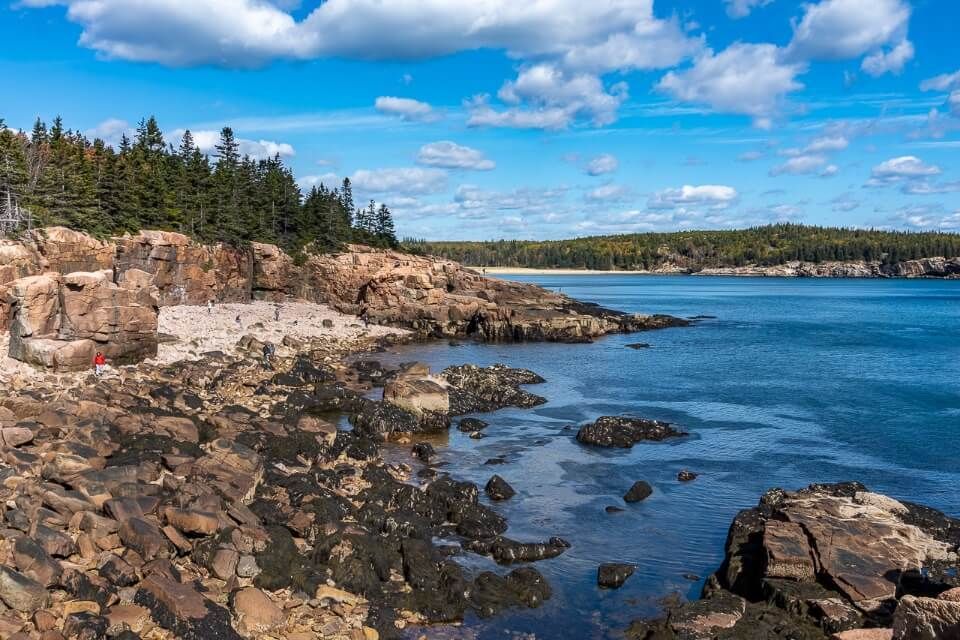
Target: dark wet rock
column 638, row 345
column 613, row 509
column 641, row 490
column 371, row 371
column 498, row 489
column 381, row 419
column 612, row 575
column 438, row 585
column 624, row 432
column 471, row 425
column 424, row 451
column 507, row 551
column 495, row 461
column 523, row 587
column 481, row 389
column 686, row 476
column 477, row 435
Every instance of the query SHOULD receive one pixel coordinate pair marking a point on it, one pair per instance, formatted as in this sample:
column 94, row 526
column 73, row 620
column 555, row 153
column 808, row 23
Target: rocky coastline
column 211, row 496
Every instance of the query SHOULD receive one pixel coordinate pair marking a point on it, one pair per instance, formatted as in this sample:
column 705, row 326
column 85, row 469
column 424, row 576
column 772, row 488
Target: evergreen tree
column 385, row 231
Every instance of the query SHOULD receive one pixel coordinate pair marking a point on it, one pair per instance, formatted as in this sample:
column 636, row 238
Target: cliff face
column 432, row 296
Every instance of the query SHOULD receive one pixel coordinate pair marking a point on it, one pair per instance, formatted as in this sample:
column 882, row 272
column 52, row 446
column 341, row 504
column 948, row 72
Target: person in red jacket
column 99, row 362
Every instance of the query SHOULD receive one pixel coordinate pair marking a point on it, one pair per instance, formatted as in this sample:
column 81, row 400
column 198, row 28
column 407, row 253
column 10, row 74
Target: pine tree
column 385, row 231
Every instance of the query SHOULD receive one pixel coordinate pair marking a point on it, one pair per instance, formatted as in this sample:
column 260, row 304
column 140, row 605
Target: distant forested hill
column 694, row 250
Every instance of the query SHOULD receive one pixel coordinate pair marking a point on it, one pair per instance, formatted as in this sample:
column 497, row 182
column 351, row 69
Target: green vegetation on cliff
column 63, row 178
column 694, row 250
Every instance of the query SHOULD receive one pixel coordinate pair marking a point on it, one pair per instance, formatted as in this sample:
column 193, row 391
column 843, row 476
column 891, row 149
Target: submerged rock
column 612, row 575
column 641, row 490
column 498, row 489
column 624, row 432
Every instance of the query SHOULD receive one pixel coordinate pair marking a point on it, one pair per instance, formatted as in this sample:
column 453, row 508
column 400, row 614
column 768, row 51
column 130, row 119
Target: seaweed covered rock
column 624, row 432
column 476, row 389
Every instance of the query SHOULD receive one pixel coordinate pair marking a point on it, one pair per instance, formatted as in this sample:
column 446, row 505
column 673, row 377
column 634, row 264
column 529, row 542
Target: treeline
column 62, row 178
column 694, row 250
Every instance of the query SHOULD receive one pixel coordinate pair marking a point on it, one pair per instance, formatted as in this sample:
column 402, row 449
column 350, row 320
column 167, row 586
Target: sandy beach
column 194, row 330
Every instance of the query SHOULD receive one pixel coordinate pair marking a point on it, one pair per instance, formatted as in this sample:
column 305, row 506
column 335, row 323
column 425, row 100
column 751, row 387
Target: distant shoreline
column 527, row 271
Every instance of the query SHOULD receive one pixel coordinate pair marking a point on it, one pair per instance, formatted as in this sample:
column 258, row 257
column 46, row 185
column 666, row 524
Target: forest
column 695, row 250
column 62, row 178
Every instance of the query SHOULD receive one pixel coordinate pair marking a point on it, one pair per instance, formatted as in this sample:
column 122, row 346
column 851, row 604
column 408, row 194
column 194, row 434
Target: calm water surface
column 795, row 381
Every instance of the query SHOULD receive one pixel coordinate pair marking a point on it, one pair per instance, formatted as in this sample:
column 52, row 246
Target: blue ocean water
column 794, row 382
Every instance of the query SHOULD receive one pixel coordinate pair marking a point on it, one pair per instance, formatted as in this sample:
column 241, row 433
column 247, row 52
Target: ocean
column 793, row 381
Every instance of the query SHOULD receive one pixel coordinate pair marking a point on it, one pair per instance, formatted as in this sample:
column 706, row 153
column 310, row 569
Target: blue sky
column 541, row 119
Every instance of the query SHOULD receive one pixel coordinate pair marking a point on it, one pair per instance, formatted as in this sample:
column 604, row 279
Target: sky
column 540, row 119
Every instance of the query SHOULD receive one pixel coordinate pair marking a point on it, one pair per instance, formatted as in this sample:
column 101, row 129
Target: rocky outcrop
column 829, row 559
column 624, row 432
column 441, row 298
column 60, row 322
column 185, row 272
column 432, row 296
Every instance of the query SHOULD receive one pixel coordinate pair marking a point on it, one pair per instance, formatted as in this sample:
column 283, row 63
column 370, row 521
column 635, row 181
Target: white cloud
column 607, row 192
column 800, row 165
column 708, row 195
column 330, row 180
column 544, row 96
column 903, row 168
column 881, row 62
column 827, row 143
column 750, row 79
column 207, row 141
column 942, row 82
column 742, row 8
column 602, row 164
column 403, row 180
column 928, row 217
column 406, row 108
column 845, row 29
column 111, row 131
column 449, row 155
column 251, row 32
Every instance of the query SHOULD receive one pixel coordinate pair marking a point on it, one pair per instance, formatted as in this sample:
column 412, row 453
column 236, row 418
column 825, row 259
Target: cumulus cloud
column 901, row 169
column 406, row 109
column 449, row 155
column 750, row 79
column 881, row 62
column 602, row 164
column 252, row 32
column 545, row 96
column 827, row 143
column 207, row 141
column 845, row 29
column 712, row 196
column 742, row 8
column 402, row 180
column 110, row 131
column 800, row 165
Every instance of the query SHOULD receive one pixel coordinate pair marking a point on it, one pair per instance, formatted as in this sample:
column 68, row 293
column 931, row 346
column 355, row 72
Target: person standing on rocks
column 210, row 307
column 268, row 351
column 276, row 313
column 99, row 363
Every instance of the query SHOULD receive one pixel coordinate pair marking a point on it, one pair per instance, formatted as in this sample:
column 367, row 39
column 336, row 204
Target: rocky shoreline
column 209, row 496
